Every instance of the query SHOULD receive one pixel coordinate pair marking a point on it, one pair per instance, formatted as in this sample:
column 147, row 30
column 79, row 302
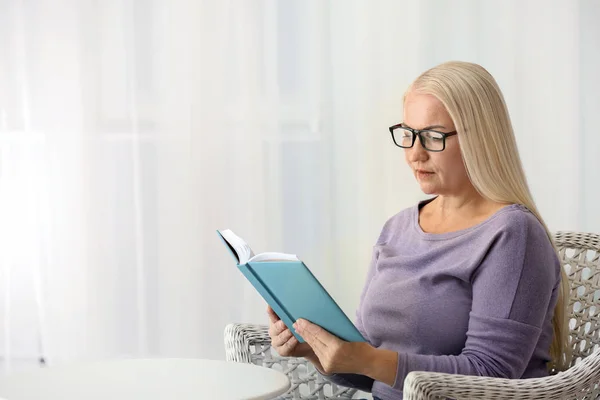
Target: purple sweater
column 478, row 301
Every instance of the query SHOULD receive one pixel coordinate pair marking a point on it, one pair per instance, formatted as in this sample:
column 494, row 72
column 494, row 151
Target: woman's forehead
column 423, row 101
column 425, row 109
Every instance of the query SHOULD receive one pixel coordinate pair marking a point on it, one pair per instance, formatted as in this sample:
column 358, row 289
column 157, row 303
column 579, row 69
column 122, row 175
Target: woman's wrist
column 380, row 365
column 312, row 357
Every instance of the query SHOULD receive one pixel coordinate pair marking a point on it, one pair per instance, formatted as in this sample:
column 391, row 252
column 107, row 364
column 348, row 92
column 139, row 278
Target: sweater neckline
column 460, row 232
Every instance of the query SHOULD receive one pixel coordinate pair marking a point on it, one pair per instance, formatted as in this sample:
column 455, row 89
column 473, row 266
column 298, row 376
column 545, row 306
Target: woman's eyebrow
column 427, row 127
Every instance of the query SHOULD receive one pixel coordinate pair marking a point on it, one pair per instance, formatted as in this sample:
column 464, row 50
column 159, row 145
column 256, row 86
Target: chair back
column 579, row 254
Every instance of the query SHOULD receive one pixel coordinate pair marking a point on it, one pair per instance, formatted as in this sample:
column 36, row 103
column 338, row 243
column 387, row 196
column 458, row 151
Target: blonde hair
column 489, row 151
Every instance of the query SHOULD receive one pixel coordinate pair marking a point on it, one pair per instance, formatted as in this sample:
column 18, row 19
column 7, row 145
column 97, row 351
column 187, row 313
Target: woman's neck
column 451, row 216
column 452, row 211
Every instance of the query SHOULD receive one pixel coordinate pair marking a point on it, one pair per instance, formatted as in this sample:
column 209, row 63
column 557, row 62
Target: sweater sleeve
column 514, row 288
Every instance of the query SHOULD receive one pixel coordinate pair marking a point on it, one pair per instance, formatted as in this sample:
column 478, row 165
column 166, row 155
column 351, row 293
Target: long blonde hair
column 489, row 151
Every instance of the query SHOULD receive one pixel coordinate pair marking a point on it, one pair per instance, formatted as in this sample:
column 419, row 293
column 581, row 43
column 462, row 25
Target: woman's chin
column 428, row 189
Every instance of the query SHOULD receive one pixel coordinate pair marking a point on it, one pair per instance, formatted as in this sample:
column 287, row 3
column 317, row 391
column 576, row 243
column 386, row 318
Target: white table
column 146, row 379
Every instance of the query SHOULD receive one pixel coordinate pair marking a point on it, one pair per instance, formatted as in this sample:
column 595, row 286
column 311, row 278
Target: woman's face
column 439, row 173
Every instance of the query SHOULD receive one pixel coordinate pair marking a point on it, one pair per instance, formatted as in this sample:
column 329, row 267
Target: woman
column 467, row 282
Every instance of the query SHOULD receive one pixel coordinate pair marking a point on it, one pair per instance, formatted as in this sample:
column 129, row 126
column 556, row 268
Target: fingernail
column 295, row 325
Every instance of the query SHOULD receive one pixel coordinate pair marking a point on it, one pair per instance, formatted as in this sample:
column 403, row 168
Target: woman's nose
column 417, row 152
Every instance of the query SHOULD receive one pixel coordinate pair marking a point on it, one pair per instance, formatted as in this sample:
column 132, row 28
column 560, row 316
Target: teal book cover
column 290, row 288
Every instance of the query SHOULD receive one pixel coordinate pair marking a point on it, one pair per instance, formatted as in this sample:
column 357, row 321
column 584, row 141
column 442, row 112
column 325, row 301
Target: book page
column 243, row 251
column 245, row 254
column 274, row 257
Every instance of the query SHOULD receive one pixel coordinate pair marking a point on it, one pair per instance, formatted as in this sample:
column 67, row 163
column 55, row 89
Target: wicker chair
column 580, row 256
column 251, row 344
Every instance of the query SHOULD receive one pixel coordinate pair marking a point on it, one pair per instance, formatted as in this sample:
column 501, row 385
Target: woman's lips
column 422, row 174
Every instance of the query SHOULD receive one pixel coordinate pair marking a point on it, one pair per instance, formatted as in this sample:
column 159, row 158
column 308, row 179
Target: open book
column 290, row 288
column 244, row 253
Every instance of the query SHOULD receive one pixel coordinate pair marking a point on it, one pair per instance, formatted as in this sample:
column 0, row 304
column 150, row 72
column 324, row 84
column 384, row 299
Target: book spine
column 268, row 296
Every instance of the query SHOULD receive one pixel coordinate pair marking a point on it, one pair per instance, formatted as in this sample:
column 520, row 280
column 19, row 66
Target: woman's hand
column 283, row 340
column 334, row 354
column 330, row 354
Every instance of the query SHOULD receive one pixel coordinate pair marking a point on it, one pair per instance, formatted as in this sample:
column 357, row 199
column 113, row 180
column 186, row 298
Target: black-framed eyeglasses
column 405, row 137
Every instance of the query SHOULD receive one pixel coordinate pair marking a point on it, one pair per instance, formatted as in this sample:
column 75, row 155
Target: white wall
column 589, row 117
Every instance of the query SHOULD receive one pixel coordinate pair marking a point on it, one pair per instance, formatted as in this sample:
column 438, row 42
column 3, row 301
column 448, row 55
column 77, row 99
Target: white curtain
column 130, row 130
